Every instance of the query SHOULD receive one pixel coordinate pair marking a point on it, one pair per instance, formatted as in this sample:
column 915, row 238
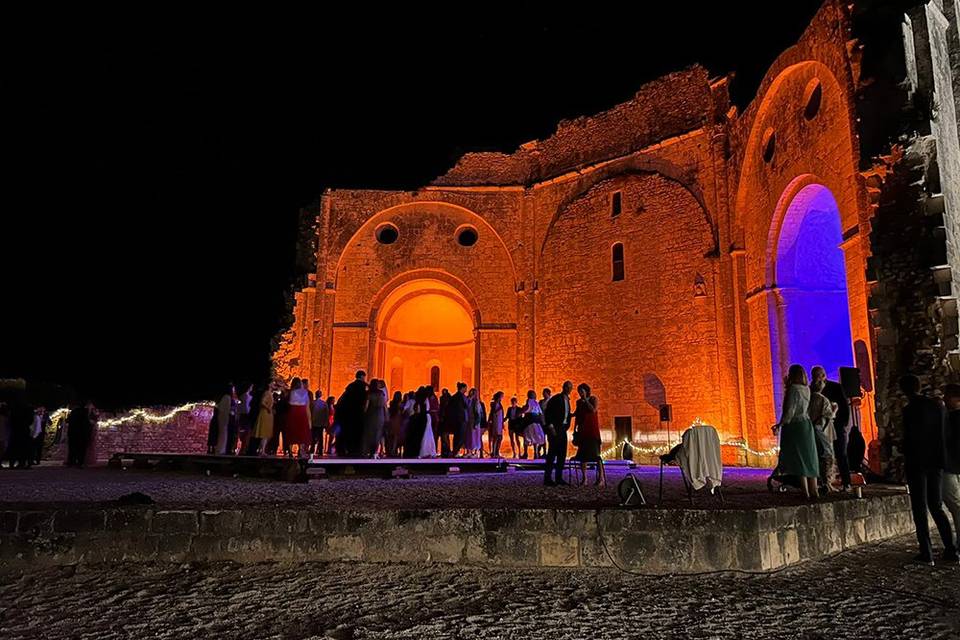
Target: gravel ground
column 871, row 592
column 52, row 483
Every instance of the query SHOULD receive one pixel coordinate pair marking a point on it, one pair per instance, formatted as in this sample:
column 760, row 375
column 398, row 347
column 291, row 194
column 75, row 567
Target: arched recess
column 635, row 167
column 425, row 247
column 446, row 282
column 818, row 150
column 808, row 304
column 779, row 109
column 423, row 323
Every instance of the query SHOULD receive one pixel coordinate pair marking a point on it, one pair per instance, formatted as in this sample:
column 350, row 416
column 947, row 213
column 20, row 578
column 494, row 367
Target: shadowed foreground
column 871, row 592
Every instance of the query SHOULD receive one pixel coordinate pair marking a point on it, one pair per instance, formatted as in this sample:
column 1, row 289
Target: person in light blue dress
column 798, row 446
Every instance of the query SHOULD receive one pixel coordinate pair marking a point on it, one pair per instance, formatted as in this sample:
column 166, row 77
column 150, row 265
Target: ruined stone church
column 675, row 250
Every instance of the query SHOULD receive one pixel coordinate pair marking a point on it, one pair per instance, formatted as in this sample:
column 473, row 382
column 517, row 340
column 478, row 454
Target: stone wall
column 908, row 120
column 647, row 540
column 183, row 432
column 663, row 311
column 668, row 106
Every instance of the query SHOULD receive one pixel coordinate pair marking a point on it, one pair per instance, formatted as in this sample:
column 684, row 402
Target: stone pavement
column 53, row 483
column 871, row 592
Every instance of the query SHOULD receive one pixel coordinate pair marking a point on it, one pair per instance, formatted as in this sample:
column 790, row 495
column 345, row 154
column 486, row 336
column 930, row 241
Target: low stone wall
column 659, row 541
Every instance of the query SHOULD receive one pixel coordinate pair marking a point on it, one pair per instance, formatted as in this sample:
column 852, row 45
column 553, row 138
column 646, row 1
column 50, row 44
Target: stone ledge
column 649, row 540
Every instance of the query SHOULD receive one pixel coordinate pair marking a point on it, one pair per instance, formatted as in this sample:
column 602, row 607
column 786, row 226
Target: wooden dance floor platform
column 303, row 470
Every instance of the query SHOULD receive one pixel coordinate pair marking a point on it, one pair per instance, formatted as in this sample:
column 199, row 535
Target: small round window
column 467, row 236
column 387, row 233
column 769, row 144
column 812, row 96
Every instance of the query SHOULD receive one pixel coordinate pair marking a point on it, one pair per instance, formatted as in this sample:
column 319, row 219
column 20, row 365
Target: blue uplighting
column 810, row 319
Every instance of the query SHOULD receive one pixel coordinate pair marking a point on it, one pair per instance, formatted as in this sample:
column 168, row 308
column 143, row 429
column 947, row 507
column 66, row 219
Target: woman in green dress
column 798, row 446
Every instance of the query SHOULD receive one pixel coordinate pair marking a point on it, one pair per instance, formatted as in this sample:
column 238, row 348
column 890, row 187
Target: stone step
column 943, row 276
column 934, row 204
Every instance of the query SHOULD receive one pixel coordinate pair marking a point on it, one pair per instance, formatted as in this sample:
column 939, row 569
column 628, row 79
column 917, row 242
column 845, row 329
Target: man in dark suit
column 78, row 436
column 21, row 440
column 556, row 418
column 349, row 415
column 458, row 417
column 841, row 422
column 923, row 422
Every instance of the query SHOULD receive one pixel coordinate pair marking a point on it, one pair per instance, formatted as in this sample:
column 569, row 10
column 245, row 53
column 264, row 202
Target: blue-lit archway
column 810, row 321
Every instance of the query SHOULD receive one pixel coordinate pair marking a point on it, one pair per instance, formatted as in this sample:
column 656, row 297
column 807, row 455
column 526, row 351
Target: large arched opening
column 425, row 334
column 809, row 313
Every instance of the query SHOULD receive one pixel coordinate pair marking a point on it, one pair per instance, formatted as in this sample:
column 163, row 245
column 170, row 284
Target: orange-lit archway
column 425, row 334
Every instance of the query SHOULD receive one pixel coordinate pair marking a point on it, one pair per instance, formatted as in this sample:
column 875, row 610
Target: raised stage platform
column 52, row 515
column 304, row 470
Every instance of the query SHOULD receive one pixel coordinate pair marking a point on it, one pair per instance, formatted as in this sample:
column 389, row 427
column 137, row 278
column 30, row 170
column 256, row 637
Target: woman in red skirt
column 297, row 428
column 587, row 434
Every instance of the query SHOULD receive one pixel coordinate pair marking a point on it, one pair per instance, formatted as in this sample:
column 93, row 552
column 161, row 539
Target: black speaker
column 666, row 413
column 850, row 381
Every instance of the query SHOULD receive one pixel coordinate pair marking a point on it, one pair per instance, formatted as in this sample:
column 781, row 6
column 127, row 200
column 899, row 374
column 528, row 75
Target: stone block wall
column 659, row 541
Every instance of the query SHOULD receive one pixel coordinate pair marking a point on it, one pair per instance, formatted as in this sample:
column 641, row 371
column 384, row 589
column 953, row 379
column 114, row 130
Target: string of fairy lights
column 136, row 415
column 616, row 448
column 141, row 416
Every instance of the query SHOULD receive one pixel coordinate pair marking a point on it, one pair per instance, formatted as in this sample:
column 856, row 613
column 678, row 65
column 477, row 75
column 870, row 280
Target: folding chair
column 687, row 482
column 573, row 469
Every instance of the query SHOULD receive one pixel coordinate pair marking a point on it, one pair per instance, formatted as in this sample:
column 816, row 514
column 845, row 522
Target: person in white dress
column 533, row 431
column 822, row 412
column 428, row 445
column 478, row 417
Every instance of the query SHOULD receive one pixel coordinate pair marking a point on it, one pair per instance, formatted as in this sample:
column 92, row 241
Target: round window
column 467, row 236
column 387, row 233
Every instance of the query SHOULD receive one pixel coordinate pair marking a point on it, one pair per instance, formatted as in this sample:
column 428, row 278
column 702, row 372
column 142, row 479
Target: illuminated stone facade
column 672, row 250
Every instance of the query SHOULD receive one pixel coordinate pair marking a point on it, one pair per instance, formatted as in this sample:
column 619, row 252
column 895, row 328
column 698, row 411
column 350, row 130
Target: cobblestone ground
column 871, row 592
column 52, row 483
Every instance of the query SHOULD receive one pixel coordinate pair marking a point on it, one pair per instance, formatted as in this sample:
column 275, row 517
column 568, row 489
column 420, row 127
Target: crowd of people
column 814, row 429
column 295, row 421
column 24, row 429
column 364, row 423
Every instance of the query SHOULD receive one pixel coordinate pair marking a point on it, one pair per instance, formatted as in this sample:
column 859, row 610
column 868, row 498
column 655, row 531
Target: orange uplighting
column 425, row 335
column 636, row 252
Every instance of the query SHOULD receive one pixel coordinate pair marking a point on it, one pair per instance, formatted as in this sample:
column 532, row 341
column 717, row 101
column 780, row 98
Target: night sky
column 155, row 164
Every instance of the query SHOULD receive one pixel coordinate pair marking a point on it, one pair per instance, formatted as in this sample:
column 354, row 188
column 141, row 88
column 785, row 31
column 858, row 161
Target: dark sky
column 155, row 164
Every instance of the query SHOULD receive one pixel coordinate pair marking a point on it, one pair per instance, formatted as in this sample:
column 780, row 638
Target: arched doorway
column 425, row 331
column 810, row 309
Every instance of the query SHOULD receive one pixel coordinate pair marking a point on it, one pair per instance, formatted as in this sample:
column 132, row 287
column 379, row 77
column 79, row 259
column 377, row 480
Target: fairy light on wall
column 141, row 416
column 662, row 449
column 136, row 415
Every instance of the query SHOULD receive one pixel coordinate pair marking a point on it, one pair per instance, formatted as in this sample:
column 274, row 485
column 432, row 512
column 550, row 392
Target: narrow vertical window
column 617, row 261
column 616, row 204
